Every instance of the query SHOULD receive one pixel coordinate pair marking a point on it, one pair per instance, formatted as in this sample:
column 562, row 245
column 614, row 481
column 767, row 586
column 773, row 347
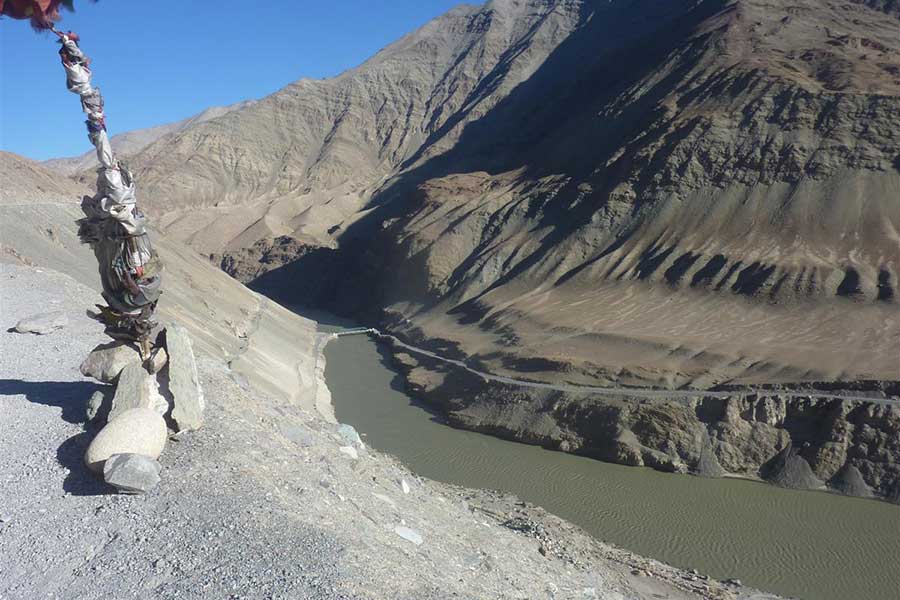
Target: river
column 811, row 545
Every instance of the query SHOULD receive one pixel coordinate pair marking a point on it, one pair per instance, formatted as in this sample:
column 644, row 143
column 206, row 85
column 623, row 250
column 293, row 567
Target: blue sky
column 162, row 61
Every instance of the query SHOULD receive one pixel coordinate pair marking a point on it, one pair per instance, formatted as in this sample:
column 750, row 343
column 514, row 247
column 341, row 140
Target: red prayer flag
column 41, row 13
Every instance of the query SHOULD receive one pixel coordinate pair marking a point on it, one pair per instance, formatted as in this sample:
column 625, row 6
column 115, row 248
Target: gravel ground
column 264, row 502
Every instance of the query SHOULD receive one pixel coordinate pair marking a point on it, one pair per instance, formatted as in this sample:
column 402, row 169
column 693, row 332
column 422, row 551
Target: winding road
column 649, row 394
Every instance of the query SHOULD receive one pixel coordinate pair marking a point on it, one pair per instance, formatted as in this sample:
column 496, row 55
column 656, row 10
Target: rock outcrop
column 791, row 439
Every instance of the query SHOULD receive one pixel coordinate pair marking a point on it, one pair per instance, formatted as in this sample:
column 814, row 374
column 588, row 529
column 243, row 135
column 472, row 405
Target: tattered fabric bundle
column 130, row 270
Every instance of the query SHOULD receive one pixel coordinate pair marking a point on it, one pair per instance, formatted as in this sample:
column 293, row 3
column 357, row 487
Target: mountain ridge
column 131, row 142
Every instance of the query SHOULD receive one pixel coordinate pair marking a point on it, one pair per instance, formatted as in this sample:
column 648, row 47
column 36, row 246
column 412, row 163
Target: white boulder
column 135, row 431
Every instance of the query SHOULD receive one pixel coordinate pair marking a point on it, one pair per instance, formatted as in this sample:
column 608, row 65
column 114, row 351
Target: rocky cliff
column 802, row 439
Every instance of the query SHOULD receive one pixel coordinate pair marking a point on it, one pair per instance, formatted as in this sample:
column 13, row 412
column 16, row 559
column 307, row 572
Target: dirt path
column 649, row 394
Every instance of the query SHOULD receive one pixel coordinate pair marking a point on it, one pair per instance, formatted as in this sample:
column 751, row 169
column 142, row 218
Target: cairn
column 149, row 399
column 156, row 381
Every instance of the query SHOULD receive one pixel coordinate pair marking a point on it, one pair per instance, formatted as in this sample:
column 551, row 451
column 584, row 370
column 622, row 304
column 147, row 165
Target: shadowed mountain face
column 674, row 193
column 309, row 157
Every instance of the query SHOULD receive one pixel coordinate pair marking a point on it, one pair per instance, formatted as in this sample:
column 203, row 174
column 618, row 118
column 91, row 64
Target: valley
column 653, row 234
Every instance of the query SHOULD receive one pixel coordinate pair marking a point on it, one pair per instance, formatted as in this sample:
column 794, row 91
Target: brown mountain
column 620, row 187
column 674, row 194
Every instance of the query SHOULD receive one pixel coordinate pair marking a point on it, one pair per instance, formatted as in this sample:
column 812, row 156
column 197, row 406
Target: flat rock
column 131, row 473
column 135, row 431
column 106, row 361
column 184, row 381
column 43, row 323
column 410, row 535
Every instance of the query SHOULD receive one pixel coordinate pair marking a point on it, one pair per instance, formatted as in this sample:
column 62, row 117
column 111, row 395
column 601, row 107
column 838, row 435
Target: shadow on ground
column 80, row 481
column 71, row 397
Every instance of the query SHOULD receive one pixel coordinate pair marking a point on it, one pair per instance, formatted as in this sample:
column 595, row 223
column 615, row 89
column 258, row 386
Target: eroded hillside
column 131, row 142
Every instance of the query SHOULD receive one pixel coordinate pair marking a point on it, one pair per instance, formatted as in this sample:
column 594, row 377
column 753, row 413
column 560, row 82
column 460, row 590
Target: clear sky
column 162, row 61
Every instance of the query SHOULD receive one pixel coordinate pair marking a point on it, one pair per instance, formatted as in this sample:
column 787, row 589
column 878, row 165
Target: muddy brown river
column 812, row 545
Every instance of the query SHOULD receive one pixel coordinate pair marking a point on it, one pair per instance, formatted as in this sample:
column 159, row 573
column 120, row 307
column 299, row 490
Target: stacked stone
column 147, row 400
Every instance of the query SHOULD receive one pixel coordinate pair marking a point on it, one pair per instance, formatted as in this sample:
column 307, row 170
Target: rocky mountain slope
column 131, row 142
column 673, row 194
column 722, row 184
column 528, row 166
column 23, row 178
column 305, row 160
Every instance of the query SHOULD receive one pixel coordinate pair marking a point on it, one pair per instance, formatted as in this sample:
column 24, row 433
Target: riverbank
column 768, row 536
column 555, row 536
column 269, row 499
column 836, row 440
